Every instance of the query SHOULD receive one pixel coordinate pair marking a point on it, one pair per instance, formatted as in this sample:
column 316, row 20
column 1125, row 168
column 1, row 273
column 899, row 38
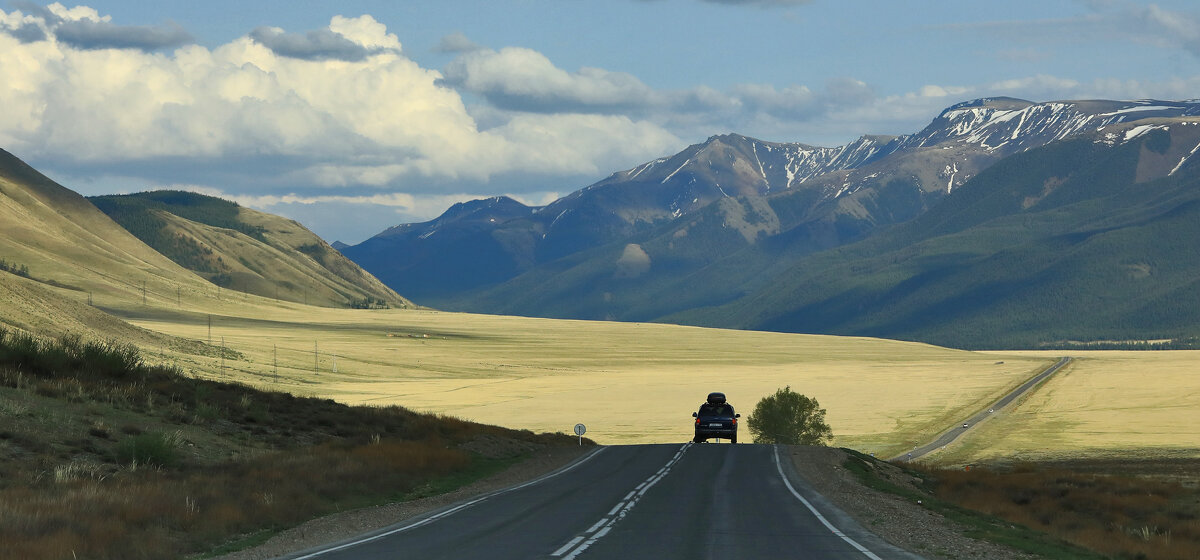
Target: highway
column 956, row 431
column 686, row 501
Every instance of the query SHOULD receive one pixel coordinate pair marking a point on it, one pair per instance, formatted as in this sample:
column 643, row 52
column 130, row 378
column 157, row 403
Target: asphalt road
column 957, row 430
column 688, row 501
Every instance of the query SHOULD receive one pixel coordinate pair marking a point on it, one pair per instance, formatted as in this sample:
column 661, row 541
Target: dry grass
column 1122, row 515
column 152, row 513
column 102, row 456
column 1106, row 403
column 547, row 375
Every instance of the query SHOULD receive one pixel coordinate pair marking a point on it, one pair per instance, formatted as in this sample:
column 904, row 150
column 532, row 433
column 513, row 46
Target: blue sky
column 354, row 116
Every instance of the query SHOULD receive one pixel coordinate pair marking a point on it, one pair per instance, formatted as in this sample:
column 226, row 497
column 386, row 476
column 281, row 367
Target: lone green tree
column 790, row 418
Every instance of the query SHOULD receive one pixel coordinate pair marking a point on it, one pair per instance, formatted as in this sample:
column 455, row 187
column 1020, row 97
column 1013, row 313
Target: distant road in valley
column 957, row 430
column 688, row 501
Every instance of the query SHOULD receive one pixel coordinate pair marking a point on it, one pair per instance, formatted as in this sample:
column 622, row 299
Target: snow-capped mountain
column 805, row 197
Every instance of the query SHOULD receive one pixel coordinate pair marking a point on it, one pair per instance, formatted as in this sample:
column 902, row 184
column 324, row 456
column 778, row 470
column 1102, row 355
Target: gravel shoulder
column 903, row 523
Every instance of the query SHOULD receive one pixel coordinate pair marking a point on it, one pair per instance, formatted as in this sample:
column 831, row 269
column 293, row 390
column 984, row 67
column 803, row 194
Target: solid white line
column 616, row 508
column 567, row 546
column 828, row 525
column 448, row 512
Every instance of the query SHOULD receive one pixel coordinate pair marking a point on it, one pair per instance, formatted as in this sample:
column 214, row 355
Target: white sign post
column 580, row 429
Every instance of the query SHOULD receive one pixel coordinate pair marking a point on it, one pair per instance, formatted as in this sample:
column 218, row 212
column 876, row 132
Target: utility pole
column 275, row 359
column 210, row 329
column 316, row 358
column 143, row 292
column 222, row 357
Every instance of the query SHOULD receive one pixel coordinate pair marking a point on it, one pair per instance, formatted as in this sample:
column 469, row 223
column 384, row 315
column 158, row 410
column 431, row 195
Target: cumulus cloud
column 526, row 80
column 348, row 39
column 342, row 106
column 83, row 28
column 456, row 43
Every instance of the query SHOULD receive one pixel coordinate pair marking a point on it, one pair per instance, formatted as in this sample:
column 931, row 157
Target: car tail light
column 697, row 421
column 735, row 421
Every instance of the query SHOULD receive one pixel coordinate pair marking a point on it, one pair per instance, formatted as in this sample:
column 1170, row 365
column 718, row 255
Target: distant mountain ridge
column 678, row 221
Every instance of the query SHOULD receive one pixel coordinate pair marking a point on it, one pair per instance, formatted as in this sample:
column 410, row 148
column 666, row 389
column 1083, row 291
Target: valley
column 638, row 383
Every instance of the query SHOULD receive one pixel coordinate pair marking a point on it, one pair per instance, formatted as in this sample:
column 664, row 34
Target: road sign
column 580, row 429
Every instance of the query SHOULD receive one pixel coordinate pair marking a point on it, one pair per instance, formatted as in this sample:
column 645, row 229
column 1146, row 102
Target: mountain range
column 738, row 232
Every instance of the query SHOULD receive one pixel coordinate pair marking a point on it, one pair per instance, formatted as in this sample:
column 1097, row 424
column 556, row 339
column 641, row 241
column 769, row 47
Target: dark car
column 716, row 419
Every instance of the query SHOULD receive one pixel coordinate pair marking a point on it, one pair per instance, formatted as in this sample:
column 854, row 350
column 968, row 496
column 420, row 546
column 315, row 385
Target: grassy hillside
column 103, row 456
column 61, row 254
column 245, row 250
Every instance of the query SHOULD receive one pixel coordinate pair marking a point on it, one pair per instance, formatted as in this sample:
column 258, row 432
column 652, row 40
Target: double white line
column 580, row 543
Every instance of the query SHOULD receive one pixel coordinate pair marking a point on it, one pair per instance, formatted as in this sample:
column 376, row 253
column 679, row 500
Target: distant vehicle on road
column 716, row 419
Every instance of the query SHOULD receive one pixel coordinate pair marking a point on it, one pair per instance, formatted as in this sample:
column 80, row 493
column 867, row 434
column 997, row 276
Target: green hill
column 245, row 250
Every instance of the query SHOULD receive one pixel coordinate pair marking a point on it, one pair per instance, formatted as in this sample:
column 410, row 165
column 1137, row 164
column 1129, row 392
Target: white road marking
column 598, row 525
column 567, row 546
column 821, row 518
column 450, row 511
column 620, row 510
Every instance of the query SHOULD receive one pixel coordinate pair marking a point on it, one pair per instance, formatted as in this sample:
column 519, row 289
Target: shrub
column 790, row 418
column 153, row 448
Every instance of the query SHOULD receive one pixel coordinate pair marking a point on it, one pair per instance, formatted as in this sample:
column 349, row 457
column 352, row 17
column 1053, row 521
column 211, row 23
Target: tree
column 790, row 418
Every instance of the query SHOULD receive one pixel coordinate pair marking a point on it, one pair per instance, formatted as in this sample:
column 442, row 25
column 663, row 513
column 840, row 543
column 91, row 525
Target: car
column 716, row 419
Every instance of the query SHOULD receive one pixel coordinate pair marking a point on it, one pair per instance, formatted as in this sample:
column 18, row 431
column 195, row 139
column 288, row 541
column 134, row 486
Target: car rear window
column 716, row 410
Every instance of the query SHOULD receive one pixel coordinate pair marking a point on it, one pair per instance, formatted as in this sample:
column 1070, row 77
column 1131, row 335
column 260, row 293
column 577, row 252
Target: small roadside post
column 580, row 429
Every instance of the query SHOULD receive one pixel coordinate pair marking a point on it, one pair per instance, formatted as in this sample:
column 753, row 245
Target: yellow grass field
column 629, row 383
column 1119, row 403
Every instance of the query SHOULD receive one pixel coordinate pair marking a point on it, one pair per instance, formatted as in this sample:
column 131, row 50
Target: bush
column 790, row 418
column 161, row 450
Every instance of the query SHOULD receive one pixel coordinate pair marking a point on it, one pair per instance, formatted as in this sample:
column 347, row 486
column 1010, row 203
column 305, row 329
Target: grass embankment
column 102, row 456
column 1069, row 510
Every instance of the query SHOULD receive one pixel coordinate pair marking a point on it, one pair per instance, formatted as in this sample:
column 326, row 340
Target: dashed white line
column 577, row 545
column 568, row 546
column 598, row 525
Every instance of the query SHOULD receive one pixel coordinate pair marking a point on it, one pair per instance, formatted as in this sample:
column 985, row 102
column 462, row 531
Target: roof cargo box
column 716, row 398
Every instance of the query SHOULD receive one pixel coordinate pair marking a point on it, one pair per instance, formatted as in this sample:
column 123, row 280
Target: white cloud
column 341, row 102
column 523, row 79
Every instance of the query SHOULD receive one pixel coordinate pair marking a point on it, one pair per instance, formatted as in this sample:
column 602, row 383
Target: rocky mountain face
column 668, row 219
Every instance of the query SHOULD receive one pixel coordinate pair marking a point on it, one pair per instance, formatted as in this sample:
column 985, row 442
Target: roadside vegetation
column 1122, row 509
column 103, row 456
column 1119, row 509
column 790, row 418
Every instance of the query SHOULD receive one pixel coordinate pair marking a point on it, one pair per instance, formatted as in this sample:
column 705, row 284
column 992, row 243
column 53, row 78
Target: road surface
column 958, row 430
column 687, row 501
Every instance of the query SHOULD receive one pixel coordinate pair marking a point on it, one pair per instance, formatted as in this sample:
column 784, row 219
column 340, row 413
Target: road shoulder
column 896, row 520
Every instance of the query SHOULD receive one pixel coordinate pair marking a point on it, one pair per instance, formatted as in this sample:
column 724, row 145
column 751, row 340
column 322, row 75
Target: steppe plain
column 639, row 383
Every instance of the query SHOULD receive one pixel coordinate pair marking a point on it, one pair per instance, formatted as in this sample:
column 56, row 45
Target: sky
column 358, row 115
